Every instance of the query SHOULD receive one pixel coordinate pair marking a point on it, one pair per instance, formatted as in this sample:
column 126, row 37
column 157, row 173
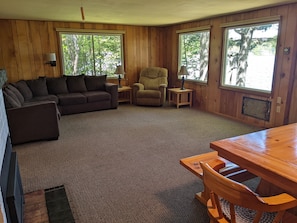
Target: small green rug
column 58, row 207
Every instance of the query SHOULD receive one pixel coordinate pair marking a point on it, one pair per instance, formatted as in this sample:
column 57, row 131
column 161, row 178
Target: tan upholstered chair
column 233, row 202
column 151, row 88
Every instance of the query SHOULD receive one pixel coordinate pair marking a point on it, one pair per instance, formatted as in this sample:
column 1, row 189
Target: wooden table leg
column 203, row 196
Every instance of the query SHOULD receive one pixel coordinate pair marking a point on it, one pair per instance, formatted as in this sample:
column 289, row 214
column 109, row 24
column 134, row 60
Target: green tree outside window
column 194, row 54
column 91, row 53
column 250, row 56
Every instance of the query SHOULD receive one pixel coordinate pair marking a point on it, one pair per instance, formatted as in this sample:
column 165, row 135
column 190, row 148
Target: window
column 91, row 53
column 193, row 53
column 249, row 56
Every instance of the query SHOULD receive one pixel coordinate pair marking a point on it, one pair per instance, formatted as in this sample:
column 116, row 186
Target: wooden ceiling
column 128, row 12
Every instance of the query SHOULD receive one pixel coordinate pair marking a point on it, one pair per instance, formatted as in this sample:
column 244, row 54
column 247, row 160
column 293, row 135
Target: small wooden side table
column 180, row 97
column 125, row 94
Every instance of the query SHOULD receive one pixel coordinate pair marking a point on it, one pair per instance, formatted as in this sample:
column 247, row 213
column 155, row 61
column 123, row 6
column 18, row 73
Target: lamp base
column 183, row 82
column 120, row 82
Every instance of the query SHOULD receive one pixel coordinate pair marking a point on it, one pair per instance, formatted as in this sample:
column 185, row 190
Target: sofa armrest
column 38, row 121
column 112, row 89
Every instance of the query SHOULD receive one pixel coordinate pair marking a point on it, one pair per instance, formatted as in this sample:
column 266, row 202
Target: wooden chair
column 221, row 165
column 234, row 202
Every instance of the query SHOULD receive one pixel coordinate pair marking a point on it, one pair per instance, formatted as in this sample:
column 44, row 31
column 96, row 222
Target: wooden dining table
column 270, row 154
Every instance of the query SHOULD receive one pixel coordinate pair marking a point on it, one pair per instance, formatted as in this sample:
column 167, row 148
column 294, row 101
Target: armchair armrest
column 37, row 121
column 112, row 89
column 136, row 87
column 162, row 89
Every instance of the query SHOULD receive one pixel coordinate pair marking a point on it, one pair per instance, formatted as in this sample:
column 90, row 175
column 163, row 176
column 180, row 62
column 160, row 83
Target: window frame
column 247, row 23
column 179, row 63
column 120, row 33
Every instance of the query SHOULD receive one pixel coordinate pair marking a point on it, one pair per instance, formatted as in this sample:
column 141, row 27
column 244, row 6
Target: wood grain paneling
column 24, row 44
column 229, row 102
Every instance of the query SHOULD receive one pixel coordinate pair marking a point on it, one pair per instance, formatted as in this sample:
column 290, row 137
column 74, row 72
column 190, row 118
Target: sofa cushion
column 94, row 83
column 16, row 92
column 56, row 85
column 49, row 97
column 10, row 99
column 72, row 99
column 38, row 87
column 76, row 84
column 24, row 89
column 95, row 96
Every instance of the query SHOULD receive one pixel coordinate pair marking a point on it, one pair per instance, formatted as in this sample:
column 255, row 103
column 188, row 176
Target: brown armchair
column 151, row 88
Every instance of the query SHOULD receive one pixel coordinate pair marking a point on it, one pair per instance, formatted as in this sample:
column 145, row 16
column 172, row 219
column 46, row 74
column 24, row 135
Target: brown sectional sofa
column 34, row 106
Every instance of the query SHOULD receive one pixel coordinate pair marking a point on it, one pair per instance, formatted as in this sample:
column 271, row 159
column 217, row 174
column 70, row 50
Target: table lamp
column 183, row 71
column 120, row 71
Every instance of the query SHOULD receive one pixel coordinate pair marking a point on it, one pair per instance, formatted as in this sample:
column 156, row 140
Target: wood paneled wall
column 213, row 98
column 24, row 44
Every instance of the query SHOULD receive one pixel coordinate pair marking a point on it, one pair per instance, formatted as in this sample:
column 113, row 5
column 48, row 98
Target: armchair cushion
column 149, row 94
column 153, row 77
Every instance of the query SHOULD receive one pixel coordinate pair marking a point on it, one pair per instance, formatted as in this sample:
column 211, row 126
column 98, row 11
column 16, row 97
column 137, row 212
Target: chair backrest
column 238, row 194
column 153, row 77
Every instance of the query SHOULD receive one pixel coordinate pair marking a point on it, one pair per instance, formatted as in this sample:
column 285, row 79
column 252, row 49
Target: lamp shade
column 119, row 70
column 51, row 57
column 183, row 71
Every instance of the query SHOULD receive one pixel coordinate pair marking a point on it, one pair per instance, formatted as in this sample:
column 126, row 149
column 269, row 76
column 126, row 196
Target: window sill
column 247, row 91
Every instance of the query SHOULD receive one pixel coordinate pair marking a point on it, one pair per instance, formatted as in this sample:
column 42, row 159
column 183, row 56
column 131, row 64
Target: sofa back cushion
column 24, row 89
column 38, row 87
column 95, row 83
column 57, row 85
column 10, row 99
column 76, row 84
column 17, row 93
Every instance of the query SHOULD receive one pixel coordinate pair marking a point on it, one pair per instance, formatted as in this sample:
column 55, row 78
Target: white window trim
column 186, row 31
column 257, row 21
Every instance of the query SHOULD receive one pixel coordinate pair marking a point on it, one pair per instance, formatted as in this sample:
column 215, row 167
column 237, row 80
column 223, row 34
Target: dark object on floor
column 57, row 205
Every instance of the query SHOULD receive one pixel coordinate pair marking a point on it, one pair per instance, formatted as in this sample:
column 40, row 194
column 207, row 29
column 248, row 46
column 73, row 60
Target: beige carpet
column 122, row 165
